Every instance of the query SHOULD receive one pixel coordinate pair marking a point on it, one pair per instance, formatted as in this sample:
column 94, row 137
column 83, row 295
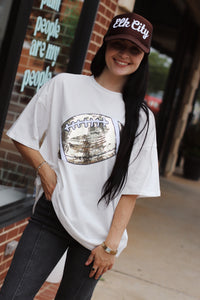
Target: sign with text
column 48, row 40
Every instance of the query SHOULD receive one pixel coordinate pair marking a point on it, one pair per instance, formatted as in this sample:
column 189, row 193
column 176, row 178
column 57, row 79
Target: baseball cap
column 132, row 27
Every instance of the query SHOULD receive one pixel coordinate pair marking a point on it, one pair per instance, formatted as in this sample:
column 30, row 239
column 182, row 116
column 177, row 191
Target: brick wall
column 11, row 164
column 107, row 9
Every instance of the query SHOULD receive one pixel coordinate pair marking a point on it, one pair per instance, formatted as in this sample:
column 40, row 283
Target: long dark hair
column 133, row 94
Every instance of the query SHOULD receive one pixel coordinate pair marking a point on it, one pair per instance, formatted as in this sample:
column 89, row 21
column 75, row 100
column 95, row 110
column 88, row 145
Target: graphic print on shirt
column 89, row 138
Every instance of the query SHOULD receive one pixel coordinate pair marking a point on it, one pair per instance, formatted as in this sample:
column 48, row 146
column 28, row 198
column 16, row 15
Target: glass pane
column 45, row 53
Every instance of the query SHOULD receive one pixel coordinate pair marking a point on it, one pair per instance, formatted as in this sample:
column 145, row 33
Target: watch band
column 108, row 250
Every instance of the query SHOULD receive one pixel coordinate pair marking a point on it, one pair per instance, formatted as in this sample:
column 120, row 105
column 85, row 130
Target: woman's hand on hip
column 48, row 179
column 101, row 260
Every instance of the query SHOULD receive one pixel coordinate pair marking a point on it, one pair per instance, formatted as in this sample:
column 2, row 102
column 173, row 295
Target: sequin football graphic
column 89, row 138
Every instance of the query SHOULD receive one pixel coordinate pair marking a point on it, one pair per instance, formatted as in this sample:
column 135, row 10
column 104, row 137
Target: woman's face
column 123, row 57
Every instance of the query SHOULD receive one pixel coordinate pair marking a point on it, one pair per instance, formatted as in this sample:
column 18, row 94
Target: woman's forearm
column 33, row 157
column 120, row 220
column 101, row 260
column 47, row 174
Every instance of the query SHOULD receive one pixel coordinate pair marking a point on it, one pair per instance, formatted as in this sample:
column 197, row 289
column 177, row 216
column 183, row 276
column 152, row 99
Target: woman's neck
column 110, row 81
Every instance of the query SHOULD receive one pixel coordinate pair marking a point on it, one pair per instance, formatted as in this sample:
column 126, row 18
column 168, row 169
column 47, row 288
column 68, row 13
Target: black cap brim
column 129, row 38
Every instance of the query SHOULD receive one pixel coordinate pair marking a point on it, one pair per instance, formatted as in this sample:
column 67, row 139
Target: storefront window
column 45, row 53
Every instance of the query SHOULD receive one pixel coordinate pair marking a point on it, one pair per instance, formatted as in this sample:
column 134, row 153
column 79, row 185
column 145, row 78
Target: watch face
column 107, row 250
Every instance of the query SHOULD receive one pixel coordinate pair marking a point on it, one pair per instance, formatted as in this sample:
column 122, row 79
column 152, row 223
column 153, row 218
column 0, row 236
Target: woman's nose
column 124, row 52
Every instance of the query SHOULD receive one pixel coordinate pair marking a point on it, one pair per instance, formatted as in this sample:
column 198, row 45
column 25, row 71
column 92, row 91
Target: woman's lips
column 121, row 63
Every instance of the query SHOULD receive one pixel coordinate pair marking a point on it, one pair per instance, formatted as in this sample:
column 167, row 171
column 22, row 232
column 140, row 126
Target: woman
column 97, row 155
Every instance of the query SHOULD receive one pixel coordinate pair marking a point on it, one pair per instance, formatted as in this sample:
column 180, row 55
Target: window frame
column 16, row 211
column 13, row 39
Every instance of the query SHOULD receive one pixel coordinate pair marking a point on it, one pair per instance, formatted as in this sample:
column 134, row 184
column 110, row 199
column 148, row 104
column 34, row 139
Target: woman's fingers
column 90, row 259
column 93, row 272
column 101, row 262
column 105, row 270
column 97, row 272
column 48, row 179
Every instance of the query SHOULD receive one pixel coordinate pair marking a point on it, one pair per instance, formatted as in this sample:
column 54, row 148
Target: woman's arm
column 47, row 174
column 121, row 219
column 103, row 261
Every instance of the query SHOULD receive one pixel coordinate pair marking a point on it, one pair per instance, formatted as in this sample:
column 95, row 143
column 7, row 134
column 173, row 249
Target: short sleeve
column 143, row 173
column 32, row 123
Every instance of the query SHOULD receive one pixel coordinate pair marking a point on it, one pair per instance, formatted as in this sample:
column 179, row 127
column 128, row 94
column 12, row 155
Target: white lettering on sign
column 136, row 25
column 51, row 29
column 42, row 49
column 52, row 53
column 37, row 48
column 140, row 27
column 36, row 79
column 54, row 4
column 124, row 22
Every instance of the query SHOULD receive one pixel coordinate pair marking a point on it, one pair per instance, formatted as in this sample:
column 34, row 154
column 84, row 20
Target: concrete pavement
column 162, row 260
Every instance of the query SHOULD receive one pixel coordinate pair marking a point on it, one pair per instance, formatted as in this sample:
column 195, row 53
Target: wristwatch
column 108, row 250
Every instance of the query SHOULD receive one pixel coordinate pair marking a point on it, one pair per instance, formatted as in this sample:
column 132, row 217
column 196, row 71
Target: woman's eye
column 117, row 46
column 121, row 47
column 135, row 50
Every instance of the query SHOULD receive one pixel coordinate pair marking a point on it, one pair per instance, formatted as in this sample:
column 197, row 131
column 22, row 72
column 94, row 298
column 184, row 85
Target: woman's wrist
column 108, row 249
column 40, row 166
column 112, row 240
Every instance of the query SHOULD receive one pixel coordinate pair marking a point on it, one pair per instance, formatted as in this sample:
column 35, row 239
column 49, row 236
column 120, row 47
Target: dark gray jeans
column 43, row 243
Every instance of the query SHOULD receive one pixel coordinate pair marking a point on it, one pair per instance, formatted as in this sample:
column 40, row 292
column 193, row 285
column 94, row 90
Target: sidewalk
column 162, row 260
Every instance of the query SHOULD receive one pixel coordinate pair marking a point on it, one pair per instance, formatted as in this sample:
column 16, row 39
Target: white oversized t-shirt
column 82, row 122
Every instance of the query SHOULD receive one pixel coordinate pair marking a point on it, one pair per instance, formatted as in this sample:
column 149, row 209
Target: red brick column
column 106, row 12
column 8, row 234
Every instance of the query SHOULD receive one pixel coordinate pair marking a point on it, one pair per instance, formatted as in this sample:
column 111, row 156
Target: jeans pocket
column 42, row 209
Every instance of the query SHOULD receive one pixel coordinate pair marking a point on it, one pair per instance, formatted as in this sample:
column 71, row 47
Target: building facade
column 39, row 39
